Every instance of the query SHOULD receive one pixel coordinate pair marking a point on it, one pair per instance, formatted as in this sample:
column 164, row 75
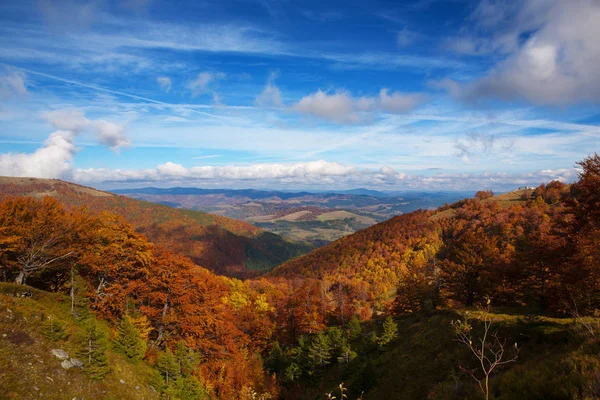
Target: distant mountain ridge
column 292, row 214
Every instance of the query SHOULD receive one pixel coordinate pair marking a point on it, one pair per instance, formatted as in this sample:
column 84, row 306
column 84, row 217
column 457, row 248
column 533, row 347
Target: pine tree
column 129, row 339
column 187, row 359
column 54, row 329
column 168, row 366
column 275, row 362
column 346, row 355
column 92, row 348
column 354, row 329
column 186, row 388
column 292, row 372
column 319, row 351
column 390, row 332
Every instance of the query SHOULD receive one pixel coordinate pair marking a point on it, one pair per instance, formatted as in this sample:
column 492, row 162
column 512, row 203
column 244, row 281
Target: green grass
column 557, row 360
column 30, row 371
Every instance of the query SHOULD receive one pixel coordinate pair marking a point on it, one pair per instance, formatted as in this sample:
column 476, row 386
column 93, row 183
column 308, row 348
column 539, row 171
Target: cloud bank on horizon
column 429, row 94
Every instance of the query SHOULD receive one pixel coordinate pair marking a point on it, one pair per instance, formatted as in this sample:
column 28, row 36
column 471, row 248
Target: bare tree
column 489, row 350
column 588, row 324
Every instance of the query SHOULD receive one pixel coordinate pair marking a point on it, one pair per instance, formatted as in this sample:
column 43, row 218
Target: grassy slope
column 223, row 245
column 30, row 371
column 557, row 361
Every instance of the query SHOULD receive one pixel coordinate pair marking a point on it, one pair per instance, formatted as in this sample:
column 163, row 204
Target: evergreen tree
column 92, row 349
column 354, row 329
column 185, row 388
column 346, row 355
column 168, row 366
column 390, row 332
column 275, row 362
column 336, row 340
column 187, row 359
column 129, row 339
column 319, row 351
column 292, row 372
column 54, row 329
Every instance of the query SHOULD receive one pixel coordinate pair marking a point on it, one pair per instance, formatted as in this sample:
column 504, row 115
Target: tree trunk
column 72, row 291
column 21, row 278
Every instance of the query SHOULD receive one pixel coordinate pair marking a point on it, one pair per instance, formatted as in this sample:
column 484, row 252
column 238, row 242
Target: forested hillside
column 224, row 245
column 391, row 311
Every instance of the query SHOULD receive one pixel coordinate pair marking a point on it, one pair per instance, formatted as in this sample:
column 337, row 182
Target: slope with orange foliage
column 224, row 245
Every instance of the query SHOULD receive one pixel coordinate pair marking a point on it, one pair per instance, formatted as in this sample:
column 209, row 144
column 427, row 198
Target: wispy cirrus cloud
column 271, row 95
column 12, row 83
column 165, row 83
column 203, row 81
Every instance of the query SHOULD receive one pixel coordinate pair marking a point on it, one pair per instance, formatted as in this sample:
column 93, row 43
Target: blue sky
column 427, row 94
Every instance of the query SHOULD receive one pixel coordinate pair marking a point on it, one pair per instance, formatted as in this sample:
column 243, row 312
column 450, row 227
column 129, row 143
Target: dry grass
column 333, row 215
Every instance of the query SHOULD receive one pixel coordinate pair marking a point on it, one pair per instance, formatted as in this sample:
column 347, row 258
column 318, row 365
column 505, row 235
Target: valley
column 312, row 218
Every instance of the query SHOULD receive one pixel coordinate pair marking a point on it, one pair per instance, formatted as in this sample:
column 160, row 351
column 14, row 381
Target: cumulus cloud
column 557, row 62
column 398, row 102
column 341, row 107
column 319, row 173
column 68, row 119
column 12, row 83
column 165, row 83
column 271, row 95
column 110, row 134
column 51, row 161
column 55, row 158
column 72, row 120
column 201, row 84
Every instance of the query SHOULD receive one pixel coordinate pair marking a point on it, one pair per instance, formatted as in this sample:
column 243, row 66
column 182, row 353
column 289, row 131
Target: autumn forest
column 205, row 307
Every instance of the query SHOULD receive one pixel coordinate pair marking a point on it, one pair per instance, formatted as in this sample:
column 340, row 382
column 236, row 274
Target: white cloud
column 108, row 133
column 341, row 107
column 271, row 95
column 338, row 107
column 399, row 102
column 319, row 173
column 557, row 63
column 68, row 119
column 473, row 145
column 165, row 83
column 12, row 83
column 202, row 84
column 55, row 158
column 51, row 161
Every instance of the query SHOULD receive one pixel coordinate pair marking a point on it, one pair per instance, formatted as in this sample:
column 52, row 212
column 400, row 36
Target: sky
column 389, row 95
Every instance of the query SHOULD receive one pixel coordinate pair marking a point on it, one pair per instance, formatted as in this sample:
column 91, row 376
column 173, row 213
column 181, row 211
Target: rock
column 66, row 364
column 122, row 381
column 60, row 354
column 76, row 362
column 137, row 388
